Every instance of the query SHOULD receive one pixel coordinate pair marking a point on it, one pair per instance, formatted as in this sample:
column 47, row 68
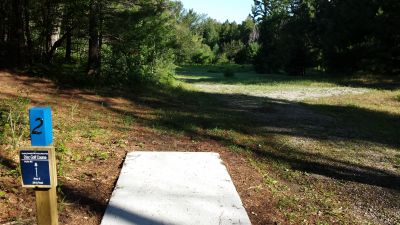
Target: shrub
column 228, row 72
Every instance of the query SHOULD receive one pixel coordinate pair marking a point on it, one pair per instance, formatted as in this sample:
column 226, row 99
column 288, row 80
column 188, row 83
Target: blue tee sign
column 40, row 126
column 36, row 168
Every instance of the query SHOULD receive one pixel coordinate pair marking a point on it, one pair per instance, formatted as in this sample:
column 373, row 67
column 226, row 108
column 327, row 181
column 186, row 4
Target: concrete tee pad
column 174, row 188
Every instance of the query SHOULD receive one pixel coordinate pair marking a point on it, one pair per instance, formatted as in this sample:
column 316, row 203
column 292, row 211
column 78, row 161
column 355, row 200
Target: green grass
column 13, row 121
column 304, row 146
column 247, row 82
column 246, row 76
column 375, row 114
column 128, row 120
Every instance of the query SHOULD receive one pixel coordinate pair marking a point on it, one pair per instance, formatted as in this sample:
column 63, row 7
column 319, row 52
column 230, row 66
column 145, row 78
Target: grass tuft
column 13, row 121
column 229, row 73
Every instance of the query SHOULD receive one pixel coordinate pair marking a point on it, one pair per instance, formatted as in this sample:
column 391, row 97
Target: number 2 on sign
column 35, row 131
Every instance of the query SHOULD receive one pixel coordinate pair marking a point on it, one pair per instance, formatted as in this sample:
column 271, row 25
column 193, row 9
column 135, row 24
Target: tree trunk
column 68, row 45
column 58, row 44
column 100, row 30
column 4, row 28
column 67, row 25
column 48, row 29
column 17, row 38
column 28, row 33
column 3, row 21
column 94, row 41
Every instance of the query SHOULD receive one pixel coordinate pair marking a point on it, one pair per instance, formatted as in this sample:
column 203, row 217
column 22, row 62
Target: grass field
column 300, row 150
column 328, row 147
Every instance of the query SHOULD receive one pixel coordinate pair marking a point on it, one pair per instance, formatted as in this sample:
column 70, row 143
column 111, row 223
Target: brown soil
column 86, row 185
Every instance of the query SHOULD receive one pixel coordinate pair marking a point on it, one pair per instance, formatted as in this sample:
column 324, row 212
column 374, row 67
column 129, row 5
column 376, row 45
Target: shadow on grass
column 261, row 115
column 197, row 114
column 197, row 117
column 8, row 163
column 63, row 75
column 244, row 77
column 87, row 199
column 117, row 213
column 381, row 83
column 248, row 76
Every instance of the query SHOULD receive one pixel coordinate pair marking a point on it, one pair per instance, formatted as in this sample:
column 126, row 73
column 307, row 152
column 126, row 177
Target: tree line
column 203, row 40
column 101, row 38
column 120, row 41
column 337, row 36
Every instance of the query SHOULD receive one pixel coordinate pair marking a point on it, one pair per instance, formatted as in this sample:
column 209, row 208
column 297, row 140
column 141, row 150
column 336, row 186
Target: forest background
column 141, row 41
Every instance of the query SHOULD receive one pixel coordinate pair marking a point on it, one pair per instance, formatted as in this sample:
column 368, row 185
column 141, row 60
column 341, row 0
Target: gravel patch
column 292, row 94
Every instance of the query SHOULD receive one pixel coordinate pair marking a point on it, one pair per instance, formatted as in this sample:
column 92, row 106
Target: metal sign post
column 38, row 165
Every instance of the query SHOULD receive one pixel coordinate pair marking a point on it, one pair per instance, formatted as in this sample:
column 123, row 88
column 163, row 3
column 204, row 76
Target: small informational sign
column 37, row 167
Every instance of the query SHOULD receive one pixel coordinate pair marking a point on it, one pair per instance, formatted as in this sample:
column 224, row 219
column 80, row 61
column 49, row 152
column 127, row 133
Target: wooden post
column 46, row 206
column 42, row 135
column 46, row 199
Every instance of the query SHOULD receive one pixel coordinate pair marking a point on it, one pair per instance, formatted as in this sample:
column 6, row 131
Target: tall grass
column 13, row 121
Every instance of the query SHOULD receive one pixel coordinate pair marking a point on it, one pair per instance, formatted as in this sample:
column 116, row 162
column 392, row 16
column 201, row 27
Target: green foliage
column 252, row 50
column 137, row 42
column 93, row 133
column 2, row 194
column 206, row 41
column 103, row 155
column 232, row 48
column 61, row 148
column 285, row 37
column 337, row 36
column 203, row 55
column 140, row 51
column 128, row 120
column 117, row 42
column 210, row 31
column 223, row 59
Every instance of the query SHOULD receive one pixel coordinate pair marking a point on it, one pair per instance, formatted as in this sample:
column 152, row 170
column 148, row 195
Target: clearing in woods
column 299, row 149
column 327, row 148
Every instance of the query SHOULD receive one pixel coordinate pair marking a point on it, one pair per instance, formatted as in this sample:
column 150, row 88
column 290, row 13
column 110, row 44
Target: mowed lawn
column 327, row 147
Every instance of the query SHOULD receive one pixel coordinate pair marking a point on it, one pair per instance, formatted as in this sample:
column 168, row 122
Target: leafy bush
column 203, row 55
column 232, row 48
column 222, row 59
column 228, row 72
column 140, row 50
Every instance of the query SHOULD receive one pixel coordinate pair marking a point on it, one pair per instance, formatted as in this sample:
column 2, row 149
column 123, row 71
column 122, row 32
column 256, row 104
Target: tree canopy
column 334, row 35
